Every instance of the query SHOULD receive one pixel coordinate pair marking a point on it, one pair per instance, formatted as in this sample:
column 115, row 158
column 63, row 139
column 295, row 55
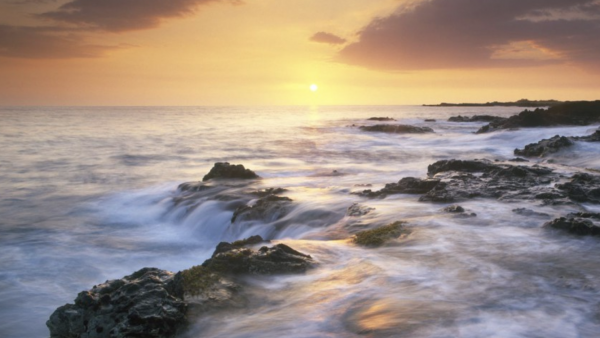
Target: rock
column 529, row 212
column 397, row 129
column 268, row 208
column 583, row 188
column 581, row 113
column 381, row 119
column 595, row 137
column 357, row 210
column 378, row 236
column 145, row 304
column 544, row 147
column 407, row 185
column 430, row 120
column 460, row 165
column 268, row 191
column 583, row 224
column 476, row 118
column 454, row 209
column 266, row 261
column 193, row 187
column 224, row 170
column 518, row 159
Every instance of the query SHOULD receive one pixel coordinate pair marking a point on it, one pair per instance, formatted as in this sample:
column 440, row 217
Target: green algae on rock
column 378, row 236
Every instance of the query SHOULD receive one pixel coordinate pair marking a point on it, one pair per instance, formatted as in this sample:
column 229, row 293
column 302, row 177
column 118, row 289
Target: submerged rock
column 430, row 120
column 454, row 209
column 397, row 129
column 529, row 212
column 581, row 113
column 476, row 118
column 269, row 208
column 357, row 210
column 407, row 185
column 381, row 119
column 583, row 224
column 583, row 187
column 544, row 147
column 378, row 236
column 224, row 170
column 147, row 303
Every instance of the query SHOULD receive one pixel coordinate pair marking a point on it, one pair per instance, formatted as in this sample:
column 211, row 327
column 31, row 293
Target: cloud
column 124, row 15
column 437, row 34
column 46, row 43
column 324, row 37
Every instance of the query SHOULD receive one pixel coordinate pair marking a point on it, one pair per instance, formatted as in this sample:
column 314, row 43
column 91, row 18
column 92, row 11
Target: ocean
column 87, row 196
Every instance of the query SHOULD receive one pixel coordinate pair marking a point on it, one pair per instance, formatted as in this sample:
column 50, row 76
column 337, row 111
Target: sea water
column 87, row 195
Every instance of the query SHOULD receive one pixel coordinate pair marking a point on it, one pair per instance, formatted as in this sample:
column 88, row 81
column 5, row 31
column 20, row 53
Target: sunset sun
column 313, row 87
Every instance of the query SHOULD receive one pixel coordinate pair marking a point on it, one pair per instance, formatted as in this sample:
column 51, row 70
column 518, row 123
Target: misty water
column 88, row 195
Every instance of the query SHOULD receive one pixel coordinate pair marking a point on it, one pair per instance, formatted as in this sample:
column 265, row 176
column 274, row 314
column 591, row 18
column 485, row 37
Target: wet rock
column 147, row 303
column 378, row 236
column 518, row 159
column 266, row 261
column 268, row 191
column 407, row 185
column 581, row 113
column 529, row 212
column 583, row 224
column 381, row 119
column 476, row 118
column 397, row 129
column 268, row 208
column 595, row 137
column 224, row 170
column 357, row 210
column 454, row 209
column 583, row 187
column 193, row 187
column 544, row 147
column 460, row 165
column 430, row 120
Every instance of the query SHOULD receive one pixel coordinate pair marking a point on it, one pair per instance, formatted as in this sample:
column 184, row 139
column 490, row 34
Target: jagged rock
column 266, row 261
column 529, row 212
column 584, row 224
column 460, row 165
column 595, row 137
column 476, row 118
column 580, row 113
column 224, row 170
column 544, row 147
column 147, row 303
column 454, row 209
column 269, row 208
column 397, row 129
column 378, row 236
column 381, row 119
column 357, row 210
column 407, row 185
column 584, row 188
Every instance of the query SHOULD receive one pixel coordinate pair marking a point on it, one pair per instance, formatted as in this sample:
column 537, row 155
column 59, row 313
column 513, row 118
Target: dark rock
column 476, row 118
column 268, row 191
column 529, row 212
column 397, row 129
column 579, row 113
column 454, row 209
column 224, row 170
column 381, row 119
column 460, row 165
column 595, row 137
column 144, row 304
column 378, row 236
column 357, row 210
column 193, row 187
column 583, row 224
column 584, row 188
column 268, row 208
column 518, row 159
column 266, row 261
column 407, row 185
column 544, row 147
column 430, row 120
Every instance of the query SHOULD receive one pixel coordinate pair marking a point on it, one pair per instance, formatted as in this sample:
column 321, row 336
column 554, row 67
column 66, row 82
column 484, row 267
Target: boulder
column 269, row 208
column 544, row 147
column 583, row 188
column 583, row 224
column 379, row 236
column 397, row 129
column 224, row 170
column 407, row 185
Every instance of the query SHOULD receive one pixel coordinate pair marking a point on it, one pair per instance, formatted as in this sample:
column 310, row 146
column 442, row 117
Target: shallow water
column 87, row 195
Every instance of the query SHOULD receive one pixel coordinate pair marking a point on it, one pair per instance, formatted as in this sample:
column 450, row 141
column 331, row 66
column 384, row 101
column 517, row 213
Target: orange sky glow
column 269, row 52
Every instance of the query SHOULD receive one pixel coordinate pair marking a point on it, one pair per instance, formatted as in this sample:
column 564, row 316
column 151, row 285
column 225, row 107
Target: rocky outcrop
column 583, row 188
column 476, row 118
column 224, row 170
column 156, row 303
column 381, row 119
column 397, row 129
column 379, row 236
column 407, row 185
column 269, row 208
column 147, row 303
column 580, row 113
column 544, row 147
column 583, row 224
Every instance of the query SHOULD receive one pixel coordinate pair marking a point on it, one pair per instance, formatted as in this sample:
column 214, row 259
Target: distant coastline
column 520, row 103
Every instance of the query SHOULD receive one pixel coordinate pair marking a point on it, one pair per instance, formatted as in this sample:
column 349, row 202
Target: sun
column 313, row 87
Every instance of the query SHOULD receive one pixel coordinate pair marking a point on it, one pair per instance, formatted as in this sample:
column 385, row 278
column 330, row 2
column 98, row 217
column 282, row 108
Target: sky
column 269, row 52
